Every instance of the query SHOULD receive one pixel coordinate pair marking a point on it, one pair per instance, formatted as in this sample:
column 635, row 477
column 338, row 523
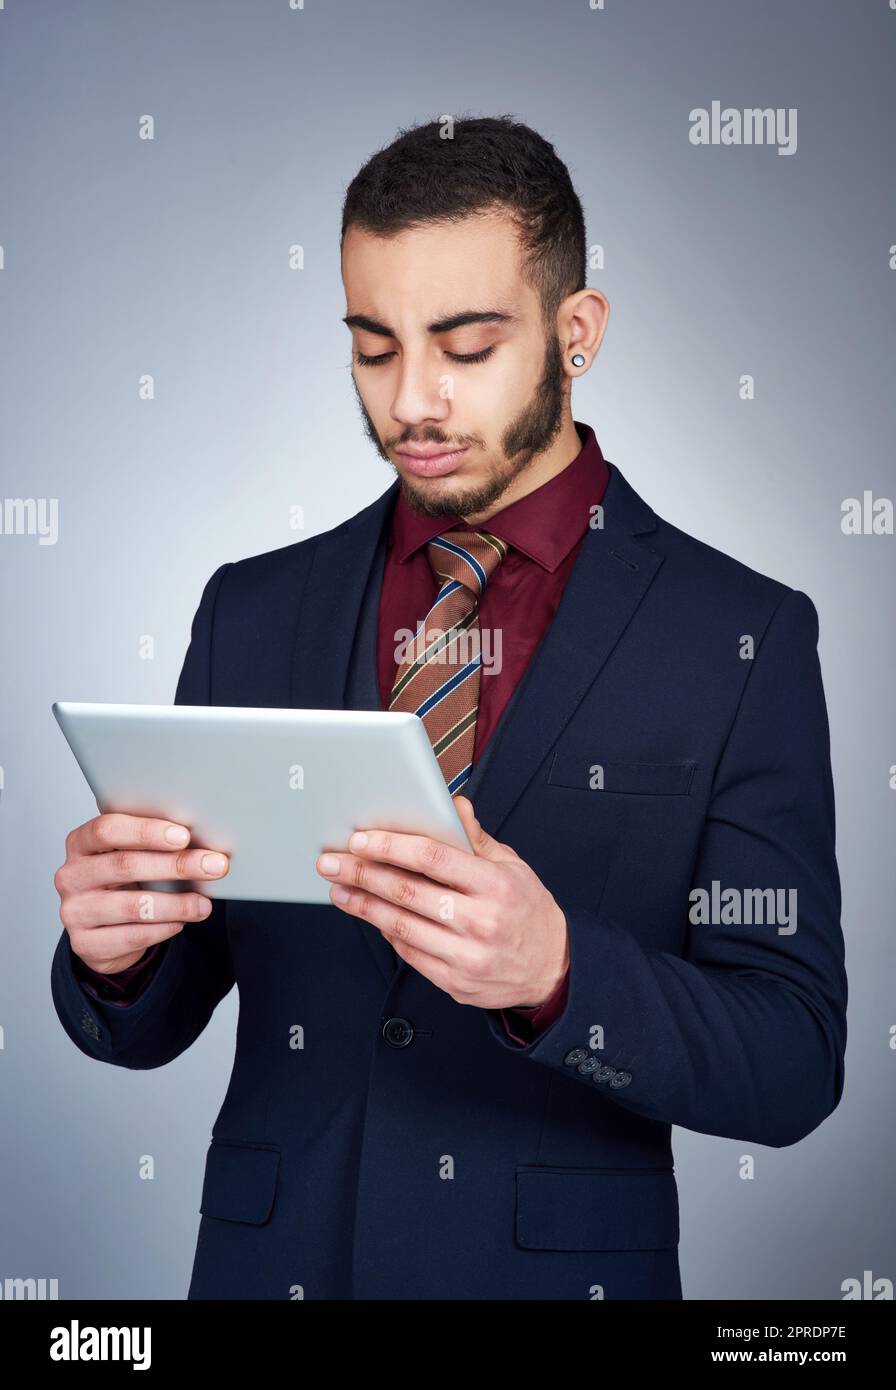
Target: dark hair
column 491, row 160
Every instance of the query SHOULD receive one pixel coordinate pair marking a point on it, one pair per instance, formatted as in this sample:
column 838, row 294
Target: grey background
column 169, row 257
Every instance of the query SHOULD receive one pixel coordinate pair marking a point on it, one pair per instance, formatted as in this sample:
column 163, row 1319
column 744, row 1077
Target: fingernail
column 328, row 864
column 213, row 863
column 358, row 840
column 340, row 893
column 205, row 907
column 177, row 835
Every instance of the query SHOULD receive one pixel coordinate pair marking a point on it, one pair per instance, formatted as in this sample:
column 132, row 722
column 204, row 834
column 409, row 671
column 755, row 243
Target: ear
column 484, row 845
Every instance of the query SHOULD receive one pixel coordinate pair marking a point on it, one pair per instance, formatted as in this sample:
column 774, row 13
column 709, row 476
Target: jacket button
column 622, row 1078
column 572, row 1059
column 602, row 1074
column 589, row 1065
column 397, row 1032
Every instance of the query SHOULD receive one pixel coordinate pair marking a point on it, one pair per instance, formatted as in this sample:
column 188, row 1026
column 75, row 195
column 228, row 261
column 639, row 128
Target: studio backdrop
column 176, row 394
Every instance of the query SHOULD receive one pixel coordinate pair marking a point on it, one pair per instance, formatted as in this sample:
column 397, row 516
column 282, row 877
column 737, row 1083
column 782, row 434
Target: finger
column 100, row 945
column 438, row 971
column 432, row 858
column 115, row 830
column 104, row 907
column 484, row 845
column 436, row 942
column 121, row 866
column 403, row 889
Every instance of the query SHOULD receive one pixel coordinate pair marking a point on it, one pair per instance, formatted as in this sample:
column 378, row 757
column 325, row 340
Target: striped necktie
column 439, row 672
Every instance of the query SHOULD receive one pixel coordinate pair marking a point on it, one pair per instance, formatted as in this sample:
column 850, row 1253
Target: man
column 494, row 1045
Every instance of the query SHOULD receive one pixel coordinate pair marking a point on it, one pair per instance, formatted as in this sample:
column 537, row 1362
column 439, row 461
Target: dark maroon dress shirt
column 545, row 530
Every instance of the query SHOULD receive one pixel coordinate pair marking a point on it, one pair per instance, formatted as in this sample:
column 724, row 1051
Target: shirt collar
column 545, row 524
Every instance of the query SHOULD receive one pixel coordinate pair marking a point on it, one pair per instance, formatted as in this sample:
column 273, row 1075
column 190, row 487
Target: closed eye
column 471, row 356
column 467, row 357
column 365, row 361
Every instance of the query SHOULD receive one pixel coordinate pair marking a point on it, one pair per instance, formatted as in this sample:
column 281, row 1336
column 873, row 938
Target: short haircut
column 489, row 162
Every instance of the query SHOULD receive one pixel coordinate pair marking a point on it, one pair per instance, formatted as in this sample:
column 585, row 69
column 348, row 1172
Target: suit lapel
column 612, row 573
column 331, row 604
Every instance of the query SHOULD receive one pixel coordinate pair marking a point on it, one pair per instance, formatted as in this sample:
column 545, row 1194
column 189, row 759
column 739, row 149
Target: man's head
column 464, row 263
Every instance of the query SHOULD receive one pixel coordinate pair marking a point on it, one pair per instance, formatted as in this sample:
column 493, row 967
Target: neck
column 565, row 447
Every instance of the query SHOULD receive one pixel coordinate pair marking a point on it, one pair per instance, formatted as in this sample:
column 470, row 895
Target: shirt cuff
column 124, row 986
column 528, row 1022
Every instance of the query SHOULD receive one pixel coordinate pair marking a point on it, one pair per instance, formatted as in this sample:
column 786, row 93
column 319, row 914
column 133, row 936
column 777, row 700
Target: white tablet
column 272, row 788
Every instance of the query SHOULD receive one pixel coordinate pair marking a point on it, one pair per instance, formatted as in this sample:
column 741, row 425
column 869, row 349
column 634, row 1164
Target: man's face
column 479, row 423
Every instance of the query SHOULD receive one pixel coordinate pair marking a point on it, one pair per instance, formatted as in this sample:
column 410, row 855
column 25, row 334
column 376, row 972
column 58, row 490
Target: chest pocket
column 585, row 771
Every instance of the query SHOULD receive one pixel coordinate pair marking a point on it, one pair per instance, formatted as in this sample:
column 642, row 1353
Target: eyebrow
column 443, row 325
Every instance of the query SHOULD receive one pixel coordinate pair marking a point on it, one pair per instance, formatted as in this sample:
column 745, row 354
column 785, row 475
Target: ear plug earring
column 578, row 360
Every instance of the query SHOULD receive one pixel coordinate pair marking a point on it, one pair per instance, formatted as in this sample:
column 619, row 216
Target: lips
column 432, row 464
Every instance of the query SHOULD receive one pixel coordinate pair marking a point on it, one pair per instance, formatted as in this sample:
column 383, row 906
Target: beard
column 533, row 430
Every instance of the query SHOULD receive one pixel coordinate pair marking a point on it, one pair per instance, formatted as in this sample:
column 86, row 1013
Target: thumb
column 484, row 845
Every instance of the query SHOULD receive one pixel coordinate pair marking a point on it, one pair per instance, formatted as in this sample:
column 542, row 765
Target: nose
column 423, row 393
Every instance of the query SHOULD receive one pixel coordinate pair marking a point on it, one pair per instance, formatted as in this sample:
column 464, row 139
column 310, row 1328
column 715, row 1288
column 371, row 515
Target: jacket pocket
column 596, row 1208
column 578, row 769
column 240, row 1181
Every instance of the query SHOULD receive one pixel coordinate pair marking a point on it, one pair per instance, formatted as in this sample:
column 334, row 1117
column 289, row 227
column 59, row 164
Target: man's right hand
column 110, row 920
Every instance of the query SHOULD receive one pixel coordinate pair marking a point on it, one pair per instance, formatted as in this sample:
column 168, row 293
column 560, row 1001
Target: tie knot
column 468, row 557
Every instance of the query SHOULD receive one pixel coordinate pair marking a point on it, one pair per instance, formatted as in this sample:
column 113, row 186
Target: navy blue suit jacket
column 409, row 1149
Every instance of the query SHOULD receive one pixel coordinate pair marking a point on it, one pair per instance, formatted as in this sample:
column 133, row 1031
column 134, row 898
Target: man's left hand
column 481, row 926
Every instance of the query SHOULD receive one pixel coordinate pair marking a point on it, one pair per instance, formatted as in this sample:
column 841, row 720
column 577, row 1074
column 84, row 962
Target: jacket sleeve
column 743, row 1034
column 193, row 970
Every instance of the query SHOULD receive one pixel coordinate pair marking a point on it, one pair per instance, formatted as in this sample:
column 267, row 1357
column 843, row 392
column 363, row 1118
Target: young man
column 495, row 1045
